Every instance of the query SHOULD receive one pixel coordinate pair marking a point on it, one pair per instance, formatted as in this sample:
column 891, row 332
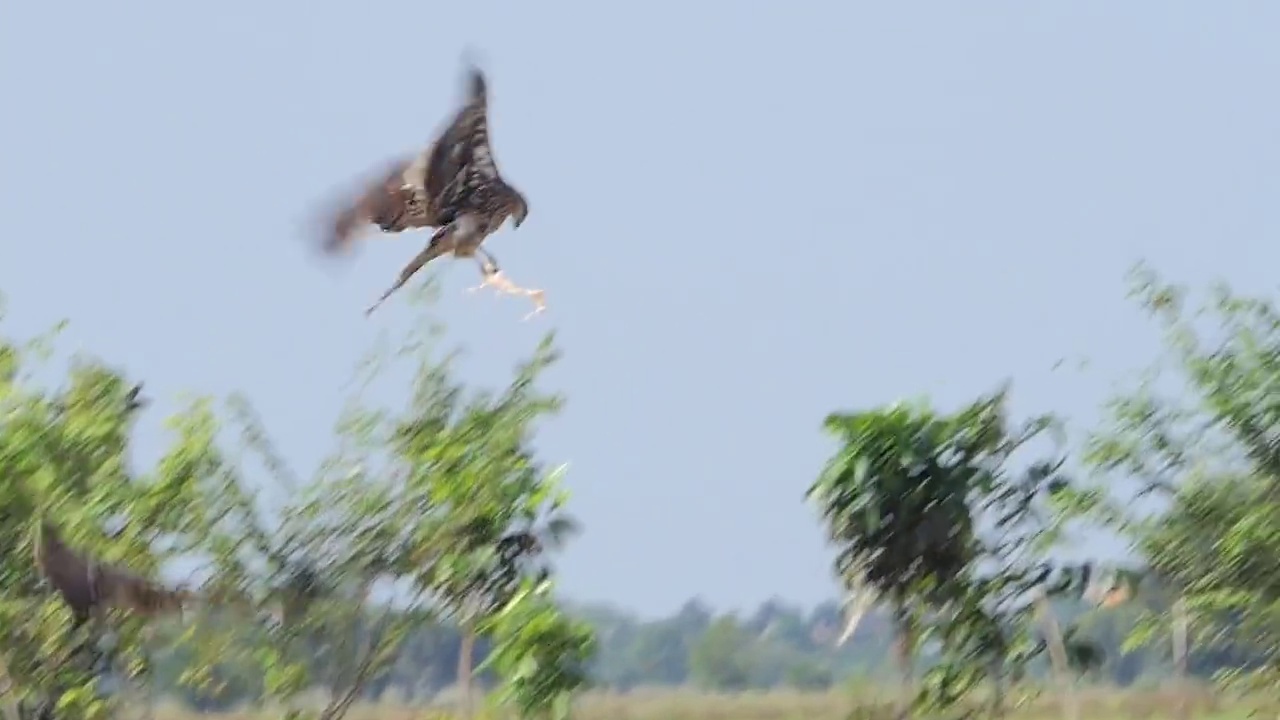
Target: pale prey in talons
column 494, row 278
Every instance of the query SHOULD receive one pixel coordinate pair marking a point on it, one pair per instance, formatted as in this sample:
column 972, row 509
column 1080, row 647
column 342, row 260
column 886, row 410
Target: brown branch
column 368, row 666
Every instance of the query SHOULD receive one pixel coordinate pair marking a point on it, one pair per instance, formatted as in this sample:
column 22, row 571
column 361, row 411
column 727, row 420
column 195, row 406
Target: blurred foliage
column 928, row 515
column 422, row 548
column 1200, row 438
column 441, row 508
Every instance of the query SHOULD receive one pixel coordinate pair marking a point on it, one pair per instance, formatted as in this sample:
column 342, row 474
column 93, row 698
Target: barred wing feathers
column 461, row 165
column 394, row 202
column 85, row 584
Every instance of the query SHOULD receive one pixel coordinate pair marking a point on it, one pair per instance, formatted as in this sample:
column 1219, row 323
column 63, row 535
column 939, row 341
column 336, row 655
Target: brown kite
column 88, row 586
column 453, row 186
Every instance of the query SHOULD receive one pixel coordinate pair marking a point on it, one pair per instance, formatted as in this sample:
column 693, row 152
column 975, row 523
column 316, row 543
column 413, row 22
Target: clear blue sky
column 745, row 214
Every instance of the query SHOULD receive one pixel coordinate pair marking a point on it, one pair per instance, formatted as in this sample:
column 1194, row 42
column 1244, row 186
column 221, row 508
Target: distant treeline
column 776, row 646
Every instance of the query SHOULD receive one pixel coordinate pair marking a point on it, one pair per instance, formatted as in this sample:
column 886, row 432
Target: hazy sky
column 746, row 215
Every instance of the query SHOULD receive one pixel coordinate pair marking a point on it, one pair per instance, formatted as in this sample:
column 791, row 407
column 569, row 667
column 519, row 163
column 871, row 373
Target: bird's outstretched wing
column 128, row 591
column 385, row 201
column 86, row 584
column 461, row 159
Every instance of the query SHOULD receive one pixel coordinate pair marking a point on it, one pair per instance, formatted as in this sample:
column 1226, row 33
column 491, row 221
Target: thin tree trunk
column 996, row 671
column 903, row 653
column 1058, row 656
column 465, row 665
column 1181, row 625
column 368, row 663
column 8, row 693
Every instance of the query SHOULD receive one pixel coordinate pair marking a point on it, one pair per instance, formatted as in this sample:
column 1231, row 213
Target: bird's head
column 519, row 209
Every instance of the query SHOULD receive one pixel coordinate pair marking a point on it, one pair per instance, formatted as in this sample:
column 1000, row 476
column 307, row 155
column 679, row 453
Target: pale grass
column 864, row 703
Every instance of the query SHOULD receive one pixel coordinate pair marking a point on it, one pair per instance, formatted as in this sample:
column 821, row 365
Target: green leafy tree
column 476, row 489
column 541, row 653
column 443, row 507
column 1208, row 459
column 64, row 457
column 722, row 659
column 446, row 499
column 903, row 500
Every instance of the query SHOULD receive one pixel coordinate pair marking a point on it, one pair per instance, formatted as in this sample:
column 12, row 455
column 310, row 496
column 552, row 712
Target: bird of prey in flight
column 88, row 585
column 454, row 186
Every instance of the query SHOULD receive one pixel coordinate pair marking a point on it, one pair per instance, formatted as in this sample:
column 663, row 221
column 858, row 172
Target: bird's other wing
column 127, row 590
column 377, row 199
column 63, row 569
column 460, row 157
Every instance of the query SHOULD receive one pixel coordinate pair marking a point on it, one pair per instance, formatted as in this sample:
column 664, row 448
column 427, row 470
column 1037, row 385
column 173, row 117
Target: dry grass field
column 676, row 705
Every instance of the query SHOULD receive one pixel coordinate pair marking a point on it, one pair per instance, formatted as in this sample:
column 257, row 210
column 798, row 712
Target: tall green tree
column 445, row 500
column 1199, row 439
column 929, row 515
column 722, row 658
column 468, row 463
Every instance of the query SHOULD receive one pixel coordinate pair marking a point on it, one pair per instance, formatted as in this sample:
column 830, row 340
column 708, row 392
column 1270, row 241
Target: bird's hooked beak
column 520, row 212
